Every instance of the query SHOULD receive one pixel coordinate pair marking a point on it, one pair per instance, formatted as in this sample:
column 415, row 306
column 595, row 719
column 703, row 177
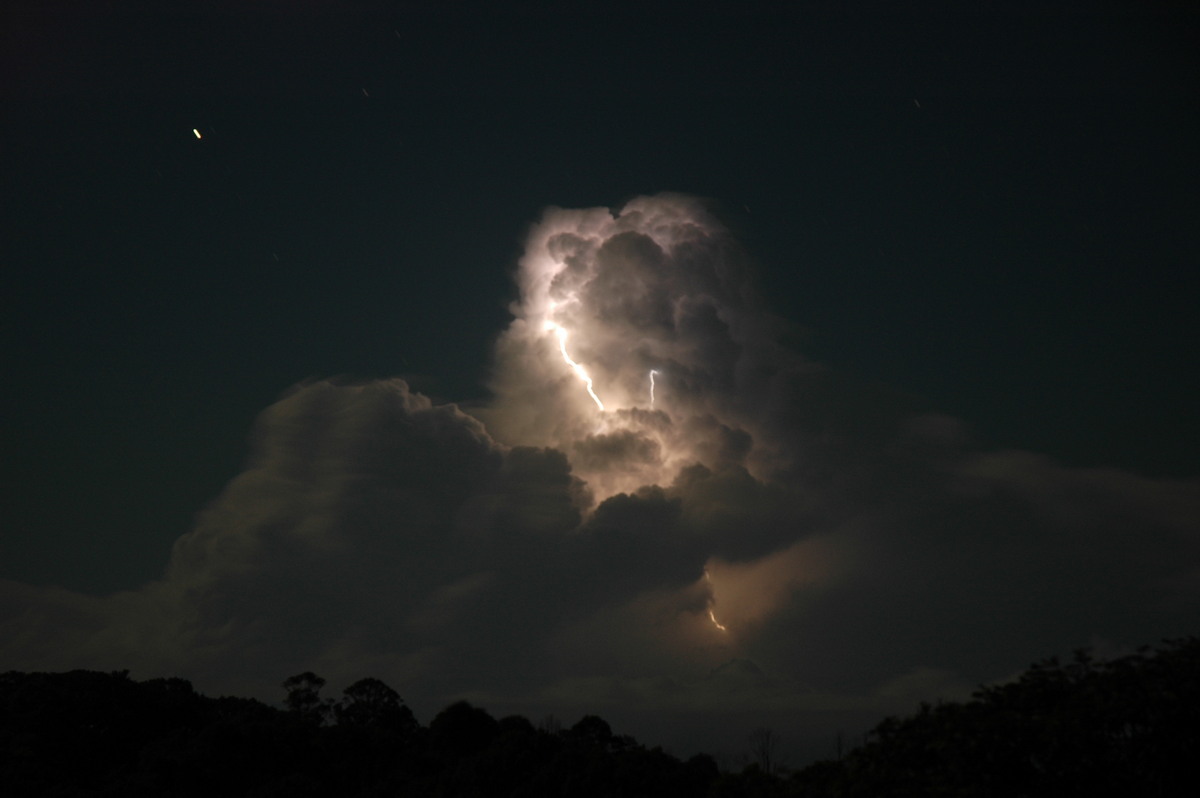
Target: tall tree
column 304, row 696
column 764, row 748
column 370, row 702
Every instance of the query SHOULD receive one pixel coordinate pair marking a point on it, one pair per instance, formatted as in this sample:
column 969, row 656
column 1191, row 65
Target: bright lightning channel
column 712, row 616
column 652, row 373
column 579, row 370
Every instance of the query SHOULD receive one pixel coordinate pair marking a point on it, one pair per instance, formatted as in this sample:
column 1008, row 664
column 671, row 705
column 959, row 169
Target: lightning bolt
column 579, row 370
column 652, row 373
column 712, row 615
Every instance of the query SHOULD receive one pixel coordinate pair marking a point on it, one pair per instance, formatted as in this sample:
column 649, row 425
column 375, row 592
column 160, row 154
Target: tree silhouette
column 370, row 702
column 592, row 729
column 1128, row 726
column 304, row 697
column 462, row 729
column 764, row 748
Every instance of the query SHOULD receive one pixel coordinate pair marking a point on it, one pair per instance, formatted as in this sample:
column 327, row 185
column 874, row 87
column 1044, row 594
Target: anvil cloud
column 537, row 554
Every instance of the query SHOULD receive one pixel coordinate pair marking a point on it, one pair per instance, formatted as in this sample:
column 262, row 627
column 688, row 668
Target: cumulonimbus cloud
column 544, row 554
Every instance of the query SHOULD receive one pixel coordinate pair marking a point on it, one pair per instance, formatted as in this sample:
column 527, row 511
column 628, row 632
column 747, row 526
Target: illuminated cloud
column 658, row 291
column 543, row 555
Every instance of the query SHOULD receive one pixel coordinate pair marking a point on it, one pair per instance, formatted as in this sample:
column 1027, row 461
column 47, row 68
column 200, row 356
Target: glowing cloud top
column 633, row 346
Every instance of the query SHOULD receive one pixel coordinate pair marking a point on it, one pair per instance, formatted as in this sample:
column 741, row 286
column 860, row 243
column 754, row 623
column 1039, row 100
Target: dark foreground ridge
column 1129, row 726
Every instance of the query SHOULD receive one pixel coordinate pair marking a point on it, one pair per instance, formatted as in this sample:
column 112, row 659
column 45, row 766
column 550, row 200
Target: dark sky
column 982, row 210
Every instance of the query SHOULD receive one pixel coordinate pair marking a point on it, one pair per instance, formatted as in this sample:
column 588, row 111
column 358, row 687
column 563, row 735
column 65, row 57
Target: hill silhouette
column 1127, row 726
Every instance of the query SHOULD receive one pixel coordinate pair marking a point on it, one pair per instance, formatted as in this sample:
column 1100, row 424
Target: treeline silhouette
column 1128, row 726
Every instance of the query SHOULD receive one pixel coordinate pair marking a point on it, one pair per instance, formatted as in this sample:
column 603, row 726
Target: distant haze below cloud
column 538, row 554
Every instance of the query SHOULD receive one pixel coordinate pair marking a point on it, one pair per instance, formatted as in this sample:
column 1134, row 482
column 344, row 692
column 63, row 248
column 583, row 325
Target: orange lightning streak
column 712, row 615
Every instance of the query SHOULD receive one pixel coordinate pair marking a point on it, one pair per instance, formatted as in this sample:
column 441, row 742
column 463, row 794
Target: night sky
column 936, row 341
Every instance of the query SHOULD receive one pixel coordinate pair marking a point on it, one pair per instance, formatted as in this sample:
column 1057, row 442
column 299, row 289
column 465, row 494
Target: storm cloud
column 541, row 554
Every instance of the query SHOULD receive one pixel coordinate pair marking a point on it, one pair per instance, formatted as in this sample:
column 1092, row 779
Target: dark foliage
column 1129, row 726
column 1122, row 727
column 371, row 703
column 304, row 697
column 85, row 733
